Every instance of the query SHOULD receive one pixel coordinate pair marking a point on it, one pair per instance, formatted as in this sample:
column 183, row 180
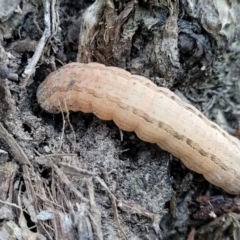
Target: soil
column 76, row 177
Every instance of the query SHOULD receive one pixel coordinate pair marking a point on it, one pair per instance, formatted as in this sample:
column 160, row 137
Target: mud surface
column 76, row 177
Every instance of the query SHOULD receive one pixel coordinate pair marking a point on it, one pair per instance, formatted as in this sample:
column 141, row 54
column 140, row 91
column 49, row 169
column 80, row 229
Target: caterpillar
column 154, row 113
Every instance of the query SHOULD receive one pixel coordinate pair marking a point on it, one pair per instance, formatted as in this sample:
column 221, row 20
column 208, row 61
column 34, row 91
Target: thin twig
column 17, row 151
column 30, row 69
column 63, row 126
column 114, row 203
column 71, row 126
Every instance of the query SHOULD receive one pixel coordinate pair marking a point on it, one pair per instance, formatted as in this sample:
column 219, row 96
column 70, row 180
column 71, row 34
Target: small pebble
column 47, row 149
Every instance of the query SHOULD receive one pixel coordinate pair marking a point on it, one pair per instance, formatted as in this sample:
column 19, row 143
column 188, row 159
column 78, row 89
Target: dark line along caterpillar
column 156, row 114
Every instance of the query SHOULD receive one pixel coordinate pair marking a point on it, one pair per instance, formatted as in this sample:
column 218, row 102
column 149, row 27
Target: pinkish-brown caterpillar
column 156, row 114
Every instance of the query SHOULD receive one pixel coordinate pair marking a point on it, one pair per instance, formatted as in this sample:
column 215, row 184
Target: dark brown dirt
column 76, row 177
